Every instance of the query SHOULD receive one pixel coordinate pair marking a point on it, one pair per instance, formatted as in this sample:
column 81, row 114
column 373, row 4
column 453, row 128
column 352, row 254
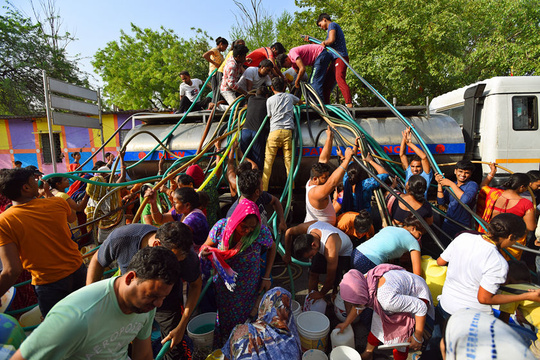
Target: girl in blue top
column 390, row 243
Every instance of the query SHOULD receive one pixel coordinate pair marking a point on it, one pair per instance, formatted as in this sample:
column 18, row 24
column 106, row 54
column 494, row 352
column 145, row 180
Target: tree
column 259, row 29
column 253, row 24
column 52, row 23
column 413, row 49
column 25, row 54
column 142, row 71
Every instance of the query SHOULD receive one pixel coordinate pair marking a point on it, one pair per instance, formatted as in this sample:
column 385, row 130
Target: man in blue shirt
column 336, row 40
column 419, row 164
column 465, row 190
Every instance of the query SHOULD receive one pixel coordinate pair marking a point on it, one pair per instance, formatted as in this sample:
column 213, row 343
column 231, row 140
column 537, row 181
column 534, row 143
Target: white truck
column 499, row 118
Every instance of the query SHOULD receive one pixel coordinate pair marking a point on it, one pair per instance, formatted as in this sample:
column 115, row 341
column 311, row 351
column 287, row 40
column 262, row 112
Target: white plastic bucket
column 313, row 328
column 296, row 309
column 201, row 330
column 314, row 354
column 346, row 338
column 344, row 353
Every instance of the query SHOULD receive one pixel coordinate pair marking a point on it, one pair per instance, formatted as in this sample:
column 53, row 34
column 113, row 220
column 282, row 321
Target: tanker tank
column 441, row 133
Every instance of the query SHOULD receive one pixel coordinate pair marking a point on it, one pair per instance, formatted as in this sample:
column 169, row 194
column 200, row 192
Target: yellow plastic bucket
column 435, row 277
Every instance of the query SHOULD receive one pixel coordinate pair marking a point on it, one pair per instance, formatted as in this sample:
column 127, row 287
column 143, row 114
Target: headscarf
column 357, row 289
column 197, row 174
column 218, row 256
column 244, row 209
column 272, row 336
column 78, row 188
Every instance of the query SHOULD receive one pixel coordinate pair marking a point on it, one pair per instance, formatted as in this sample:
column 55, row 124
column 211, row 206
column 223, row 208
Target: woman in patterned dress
column 238, row 242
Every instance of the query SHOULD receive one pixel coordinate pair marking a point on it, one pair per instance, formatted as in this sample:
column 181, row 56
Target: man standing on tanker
column 336, row 39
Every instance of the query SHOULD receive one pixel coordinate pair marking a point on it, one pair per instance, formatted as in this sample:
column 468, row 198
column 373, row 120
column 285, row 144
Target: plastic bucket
column 344, row 353
column 296, row 309
column 314, row 354
column 313, row 328
column 435, row 277
column 201, row 330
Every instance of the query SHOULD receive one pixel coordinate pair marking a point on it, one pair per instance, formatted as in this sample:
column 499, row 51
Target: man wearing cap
column 35, row 236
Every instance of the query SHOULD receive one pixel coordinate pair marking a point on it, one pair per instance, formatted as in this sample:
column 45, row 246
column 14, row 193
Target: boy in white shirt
column 255, row 77
column 189, row 89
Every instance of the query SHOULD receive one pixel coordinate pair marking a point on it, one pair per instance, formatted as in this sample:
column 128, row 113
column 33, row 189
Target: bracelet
column 343, row 168
column 415, row 339
column 267, row 279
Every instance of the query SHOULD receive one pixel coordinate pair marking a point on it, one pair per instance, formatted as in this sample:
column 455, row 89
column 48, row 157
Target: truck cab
column 499, row 120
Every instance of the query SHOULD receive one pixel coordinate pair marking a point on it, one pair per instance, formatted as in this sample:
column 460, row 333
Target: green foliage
column 26, row 52
column 142, row 71
column 413, row 49
column 289, row 28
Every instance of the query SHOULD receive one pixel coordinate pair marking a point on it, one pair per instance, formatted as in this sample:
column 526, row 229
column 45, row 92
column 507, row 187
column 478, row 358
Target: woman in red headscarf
column 400, row 301
column 234, row 247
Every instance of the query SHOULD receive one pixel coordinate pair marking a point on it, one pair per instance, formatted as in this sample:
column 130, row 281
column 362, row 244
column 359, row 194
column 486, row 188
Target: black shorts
column 319, row 265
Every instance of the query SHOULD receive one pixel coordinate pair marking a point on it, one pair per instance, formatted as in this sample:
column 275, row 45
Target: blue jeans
column 257, row 150
column 318, row 75
column 49, row 294
column 433, row 348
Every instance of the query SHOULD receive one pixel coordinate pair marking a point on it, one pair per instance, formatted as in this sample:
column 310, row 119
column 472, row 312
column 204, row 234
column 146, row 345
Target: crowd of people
column 182, row 240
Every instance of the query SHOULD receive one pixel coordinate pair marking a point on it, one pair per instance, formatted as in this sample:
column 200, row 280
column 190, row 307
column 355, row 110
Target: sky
column 97, row 22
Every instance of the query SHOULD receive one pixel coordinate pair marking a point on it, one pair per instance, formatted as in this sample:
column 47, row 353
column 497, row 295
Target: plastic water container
column 314, row 354
column 201, row 330
column 427, row 261
column 31, row 318
column 317, row 305
column 435, row 277
column 346, row 338
column 313, row 328
column 345, row 353
column 340, row 311
column 296, row 309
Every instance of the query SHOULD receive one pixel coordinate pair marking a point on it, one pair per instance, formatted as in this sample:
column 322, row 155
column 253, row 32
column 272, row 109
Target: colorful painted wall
column 20, row 140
